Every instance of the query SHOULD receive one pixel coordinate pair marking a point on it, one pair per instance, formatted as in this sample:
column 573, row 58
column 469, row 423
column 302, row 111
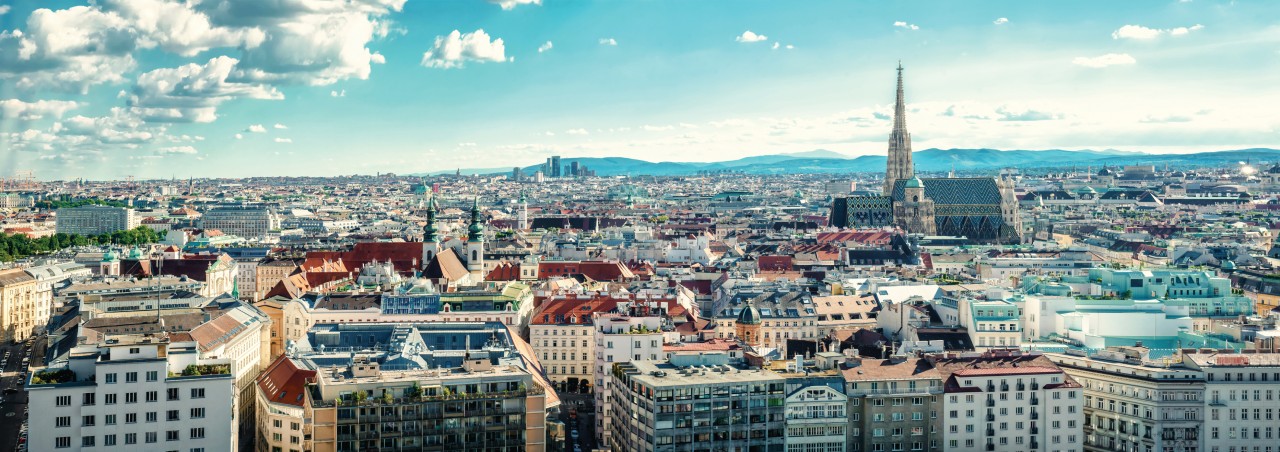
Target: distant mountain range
column 931, row 160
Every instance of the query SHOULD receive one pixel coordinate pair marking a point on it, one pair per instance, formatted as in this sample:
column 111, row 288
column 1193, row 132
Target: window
column 131, row 397
column 152, row 375
column 110, row 419
column 197, row 393
column 171, row 435
column 172, row 415
column 111, row 378
column 109, row 440
column 173, row 394
column 62, row 421
column 153, row 396
column 88, row 421
column 131, row 377
column 131, row 438
column 111, row 399
column 64, row 401
column 152, row 437
column 88, row 441
column 197, row 413
column 90, row 399
column 62, row 442
column 131, row 418
column 151, row 416
column 197, row 433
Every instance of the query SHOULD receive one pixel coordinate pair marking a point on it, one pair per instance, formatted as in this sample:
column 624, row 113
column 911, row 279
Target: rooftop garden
column 50, row 377
column 196, row 370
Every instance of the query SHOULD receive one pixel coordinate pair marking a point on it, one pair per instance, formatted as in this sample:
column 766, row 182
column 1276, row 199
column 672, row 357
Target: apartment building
column 700, row 404
column 1131, row 402
column 404, row 386
column 1241, row 394
column 634, row 334
column 134, row 392
column 20, row 303
column 894, row 404
column 242, row 220
column 1007, row 400
column 95, row 220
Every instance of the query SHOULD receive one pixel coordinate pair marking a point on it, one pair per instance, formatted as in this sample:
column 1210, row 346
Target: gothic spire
column 900, row 107
column 899, row 166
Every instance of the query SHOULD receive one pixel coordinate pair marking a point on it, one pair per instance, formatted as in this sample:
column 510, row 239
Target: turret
column 430, row 235
column 475, row 243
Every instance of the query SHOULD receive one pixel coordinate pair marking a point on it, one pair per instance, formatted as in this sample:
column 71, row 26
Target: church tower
column 899, row 165
column 475, row 243
column 523, row 223
column 430, row 235
column 916, row 213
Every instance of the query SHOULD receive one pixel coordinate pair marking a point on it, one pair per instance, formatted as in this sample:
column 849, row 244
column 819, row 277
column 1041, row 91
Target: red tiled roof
column 283, row 382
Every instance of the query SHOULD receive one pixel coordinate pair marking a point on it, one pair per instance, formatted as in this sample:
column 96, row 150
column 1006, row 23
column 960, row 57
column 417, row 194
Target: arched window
column 475, row 255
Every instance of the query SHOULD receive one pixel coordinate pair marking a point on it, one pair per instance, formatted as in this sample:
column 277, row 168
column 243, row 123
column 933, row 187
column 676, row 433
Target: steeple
column 476, row 230
column 429, row 231
column 899, row 163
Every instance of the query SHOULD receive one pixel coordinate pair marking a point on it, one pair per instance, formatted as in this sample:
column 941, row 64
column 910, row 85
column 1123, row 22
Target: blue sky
column 159, row 88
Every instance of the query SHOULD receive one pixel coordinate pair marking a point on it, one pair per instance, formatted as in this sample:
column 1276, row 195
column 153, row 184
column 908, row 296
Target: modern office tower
column 134, row 392
column 95, row 220
column 243, row 220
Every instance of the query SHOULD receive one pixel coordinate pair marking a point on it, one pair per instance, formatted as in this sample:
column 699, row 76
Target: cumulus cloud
column 284, row 140
column 544, row 47
column 4, row 9
column 578, row 131
column 192, row 92
column 901, row 24
column 749, row 36
column 256, row 128
column 17, row 109
column 1144, row 33
column 454, row 50
column 280, row 126
column 1007, row 113
column 509, row 5
column 1110, row 59
column 342, row 93
column 608, row 42
column 1001, row 21
column 176, row 150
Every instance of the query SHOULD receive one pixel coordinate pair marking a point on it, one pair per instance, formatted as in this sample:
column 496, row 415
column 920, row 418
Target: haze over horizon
column 209, row 88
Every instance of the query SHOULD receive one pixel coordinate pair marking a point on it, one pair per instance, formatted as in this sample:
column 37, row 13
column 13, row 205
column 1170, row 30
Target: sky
column 232, row 88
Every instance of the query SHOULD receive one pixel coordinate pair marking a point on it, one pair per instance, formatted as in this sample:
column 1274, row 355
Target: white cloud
column 1001, row 21
column 177, row 150
column 17, row 109
column 1110, row 59
column 342, row 93
column 1144, row 33
column 457, row 48
column 284, row 140
column 4, row 9
column 544, row 47
column 239, row 136
column 280, row 126
column 509, row 5
column 549, row 133
column 192, row 92
column 466, row 145
column 749, row 36
column 901, row 24
column 578, row 131
column 608, row 42
column 256, row 128
column 649, row 128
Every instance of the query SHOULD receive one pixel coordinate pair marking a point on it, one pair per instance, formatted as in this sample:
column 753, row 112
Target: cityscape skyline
column 231, row 88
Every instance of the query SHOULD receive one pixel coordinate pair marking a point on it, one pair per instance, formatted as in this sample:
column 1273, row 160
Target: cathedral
column 983, row 209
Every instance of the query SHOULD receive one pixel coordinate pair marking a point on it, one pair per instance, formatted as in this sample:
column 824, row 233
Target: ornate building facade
column 983, row 209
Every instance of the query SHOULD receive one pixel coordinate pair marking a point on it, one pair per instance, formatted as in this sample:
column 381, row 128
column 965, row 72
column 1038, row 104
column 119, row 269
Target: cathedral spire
column 429, row 231
column 899, row 165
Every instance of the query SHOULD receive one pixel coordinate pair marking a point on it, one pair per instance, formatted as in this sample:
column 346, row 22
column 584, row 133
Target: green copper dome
column 915, row 182
column 749, row 315
column 109, row 256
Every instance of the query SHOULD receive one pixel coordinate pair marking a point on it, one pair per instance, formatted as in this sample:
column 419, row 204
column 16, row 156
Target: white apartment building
column 817, row 420
column 1009, row 401
column 1133, row 403
column 94, row 220
column 1242, row 392
column 247, row 221
column 134, row 392
column 242, row 337
column 621, row 338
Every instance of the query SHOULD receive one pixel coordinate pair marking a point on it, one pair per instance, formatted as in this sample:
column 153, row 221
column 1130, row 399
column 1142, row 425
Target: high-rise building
column 134, row 392
column 95, row 220
column 243, row 220
column 574, row 169
column 553, row 166
column 517, row 174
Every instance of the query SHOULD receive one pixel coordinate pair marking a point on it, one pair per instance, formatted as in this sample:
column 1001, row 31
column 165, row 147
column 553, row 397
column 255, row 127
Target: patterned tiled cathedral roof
column 965, row 191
